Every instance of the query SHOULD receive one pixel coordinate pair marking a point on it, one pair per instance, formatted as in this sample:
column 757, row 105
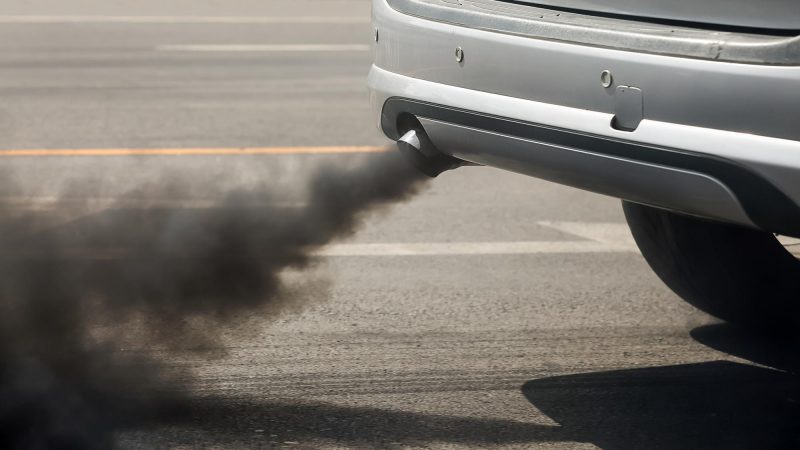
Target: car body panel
column 711, row 94
column 610, row 32
column 768, row 14
column 742, row 113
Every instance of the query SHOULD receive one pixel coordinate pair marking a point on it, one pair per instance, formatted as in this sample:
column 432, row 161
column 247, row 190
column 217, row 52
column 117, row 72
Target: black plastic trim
column 766, row 205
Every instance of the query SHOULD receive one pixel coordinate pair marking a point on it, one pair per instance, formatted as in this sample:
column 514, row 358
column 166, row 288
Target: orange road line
column 193, row 151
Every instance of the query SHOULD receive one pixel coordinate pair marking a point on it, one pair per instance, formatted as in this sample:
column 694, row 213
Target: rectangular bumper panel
column 745, row 98
column 665, row 166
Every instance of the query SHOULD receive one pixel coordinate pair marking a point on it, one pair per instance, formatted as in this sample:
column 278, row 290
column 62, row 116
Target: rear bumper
column 718, row 140
column 764, row 46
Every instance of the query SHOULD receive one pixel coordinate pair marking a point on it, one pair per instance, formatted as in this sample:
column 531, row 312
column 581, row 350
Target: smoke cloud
column 73, row 298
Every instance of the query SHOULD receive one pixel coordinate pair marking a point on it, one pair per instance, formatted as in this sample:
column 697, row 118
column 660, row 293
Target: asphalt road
column 492, row 310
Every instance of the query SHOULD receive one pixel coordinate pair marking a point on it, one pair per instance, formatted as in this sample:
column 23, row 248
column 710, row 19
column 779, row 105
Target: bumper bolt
column 606, row 79
column 459, row 54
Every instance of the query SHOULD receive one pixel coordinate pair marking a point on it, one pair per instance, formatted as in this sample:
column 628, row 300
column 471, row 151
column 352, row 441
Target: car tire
column 737, row 274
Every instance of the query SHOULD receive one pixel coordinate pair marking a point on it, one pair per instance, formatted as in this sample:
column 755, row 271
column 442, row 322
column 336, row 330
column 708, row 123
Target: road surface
column 493, row 310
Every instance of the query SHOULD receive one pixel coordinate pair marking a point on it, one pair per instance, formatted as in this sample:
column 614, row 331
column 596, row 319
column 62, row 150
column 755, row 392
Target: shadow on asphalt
column 712, row 405
column 242, row 423
column 769, row 351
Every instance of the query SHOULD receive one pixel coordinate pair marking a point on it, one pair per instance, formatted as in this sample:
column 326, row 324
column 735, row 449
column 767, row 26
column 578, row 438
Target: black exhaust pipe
column 418, row 149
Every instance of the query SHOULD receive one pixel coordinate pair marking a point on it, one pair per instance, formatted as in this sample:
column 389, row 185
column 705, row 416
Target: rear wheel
column 743, row 276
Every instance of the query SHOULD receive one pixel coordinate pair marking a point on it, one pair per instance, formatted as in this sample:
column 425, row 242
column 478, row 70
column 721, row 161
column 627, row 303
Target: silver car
column 687, row 110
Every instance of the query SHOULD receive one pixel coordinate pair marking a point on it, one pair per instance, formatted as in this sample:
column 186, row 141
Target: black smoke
column 84, row 301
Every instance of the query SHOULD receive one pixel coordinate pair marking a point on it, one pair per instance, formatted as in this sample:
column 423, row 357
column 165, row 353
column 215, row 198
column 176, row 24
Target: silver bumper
column 745, row 114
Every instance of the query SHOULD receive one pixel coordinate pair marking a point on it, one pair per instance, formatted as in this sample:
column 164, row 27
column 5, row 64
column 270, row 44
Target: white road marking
column 598, row 238
column 786, row 240
column 611, row 233
column 73, row 209
column 266, row 48
column 791, row 244
column 401, row 249
column 471, row 248
column 99, row 204
column 182, row 19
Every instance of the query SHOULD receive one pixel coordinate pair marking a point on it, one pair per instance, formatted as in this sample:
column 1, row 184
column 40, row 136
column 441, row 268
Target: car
column 687, row 110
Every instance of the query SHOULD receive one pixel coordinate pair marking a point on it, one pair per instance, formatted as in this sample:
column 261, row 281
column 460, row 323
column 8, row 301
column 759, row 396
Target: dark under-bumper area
column 765, row 205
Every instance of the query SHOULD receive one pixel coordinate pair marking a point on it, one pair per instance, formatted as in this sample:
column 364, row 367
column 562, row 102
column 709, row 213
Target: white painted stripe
column 471, row 248
column 182, row 19
column 265, row 48
column 98, row 204
column 610, row 233
column 601, row 238
column 398, row 249
column 791, row 244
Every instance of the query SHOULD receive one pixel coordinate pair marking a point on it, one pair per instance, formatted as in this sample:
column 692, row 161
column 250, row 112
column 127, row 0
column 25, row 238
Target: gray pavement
column 560, row 347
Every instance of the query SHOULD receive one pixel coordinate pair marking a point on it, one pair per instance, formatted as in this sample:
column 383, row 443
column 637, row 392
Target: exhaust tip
column 418, row 150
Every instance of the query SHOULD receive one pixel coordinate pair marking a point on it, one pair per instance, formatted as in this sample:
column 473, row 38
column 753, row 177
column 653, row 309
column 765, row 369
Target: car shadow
column 248, row 423
column 776, row 352
column 710, row 405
